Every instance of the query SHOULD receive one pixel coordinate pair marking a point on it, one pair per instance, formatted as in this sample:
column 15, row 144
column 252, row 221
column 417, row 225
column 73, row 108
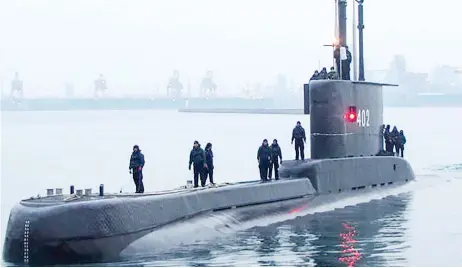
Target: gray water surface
column 418, row 225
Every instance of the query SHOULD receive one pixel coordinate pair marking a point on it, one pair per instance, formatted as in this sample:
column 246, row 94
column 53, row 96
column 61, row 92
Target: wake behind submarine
column 346, row 141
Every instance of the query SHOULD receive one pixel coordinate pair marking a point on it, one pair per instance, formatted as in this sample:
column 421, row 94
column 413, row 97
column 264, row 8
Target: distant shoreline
column 243, row 111
column 292, row 105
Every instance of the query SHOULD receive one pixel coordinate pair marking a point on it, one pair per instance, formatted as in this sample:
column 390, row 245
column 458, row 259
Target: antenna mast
column 342, row 31
column 342, row 18
column 354, row 48
column 361, row 39
column 336, row 22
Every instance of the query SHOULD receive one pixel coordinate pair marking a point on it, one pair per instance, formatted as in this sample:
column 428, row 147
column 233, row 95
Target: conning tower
column 346, row 116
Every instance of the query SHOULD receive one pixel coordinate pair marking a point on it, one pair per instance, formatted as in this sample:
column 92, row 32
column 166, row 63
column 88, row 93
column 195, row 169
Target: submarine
column 346, row 159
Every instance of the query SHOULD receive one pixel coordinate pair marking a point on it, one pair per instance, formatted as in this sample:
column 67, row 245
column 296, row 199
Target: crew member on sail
column 345, row 67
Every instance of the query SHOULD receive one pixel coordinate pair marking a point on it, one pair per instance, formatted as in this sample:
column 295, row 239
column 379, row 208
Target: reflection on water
column 368, row 234
column 350, row 254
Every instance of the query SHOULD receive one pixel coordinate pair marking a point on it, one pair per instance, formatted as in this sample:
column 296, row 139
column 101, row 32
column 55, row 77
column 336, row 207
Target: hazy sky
column 136, row 44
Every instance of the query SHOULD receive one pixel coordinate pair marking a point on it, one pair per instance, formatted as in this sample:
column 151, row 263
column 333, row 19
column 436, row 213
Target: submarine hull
column 50, row 231
column 93, row 229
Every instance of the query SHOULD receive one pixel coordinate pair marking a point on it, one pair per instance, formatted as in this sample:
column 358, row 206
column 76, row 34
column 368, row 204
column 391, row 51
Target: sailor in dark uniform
column 197, row 159
column 381, row 135
column 264, row 160
column 315, row 76
column 16, row 86
column 207, row 84
column 332, row 74
column 136, row 168
column 323, row 74
column 175, row 87
column 345, row 68
column 388, row 139
column 402, row 142
column 208, row 163
column 100, row 85
column 395, row 140
column 298, row 134
column 276, row 155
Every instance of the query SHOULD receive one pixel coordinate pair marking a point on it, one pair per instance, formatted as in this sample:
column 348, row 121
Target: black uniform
column 209, row 161
column 298, row 134
column 276, row 154
column 396, row 144
column 332, row 75
column 323, row 74
column 264, row 161
column 381, row 132
column 197, row 158
column 136, row 167
column 402, row 139
column 315, row 76
column 345, row 74
column 388, row 139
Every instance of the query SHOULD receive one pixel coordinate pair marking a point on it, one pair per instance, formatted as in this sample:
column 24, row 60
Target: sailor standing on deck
column 402, row 139
column 197, row 158
column 264, row 160
column 381, row 134
column 136, row 168
column 208, row 163
column 298, row 134
column 395, row 140
column 388, row 140
column 276, row 154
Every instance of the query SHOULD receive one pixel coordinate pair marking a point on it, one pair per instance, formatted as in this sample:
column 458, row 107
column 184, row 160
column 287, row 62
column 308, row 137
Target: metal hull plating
column 113, row 222
column 344, row 174
column 97, row 231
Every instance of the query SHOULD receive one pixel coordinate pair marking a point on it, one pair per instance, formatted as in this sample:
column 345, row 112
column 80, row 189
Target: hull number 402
column 363, row 118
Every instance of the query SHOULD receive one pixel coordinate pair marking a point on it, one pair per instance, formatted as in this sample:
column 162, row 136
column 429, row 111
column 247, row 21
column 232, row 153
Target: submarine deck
column 101, row 227
column 61, row 199
column 322, row 174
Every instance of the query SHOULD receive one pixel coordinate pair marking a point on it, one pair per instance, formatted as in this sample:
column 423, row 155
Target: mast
column 335, row 34
column 336, row 22
column 342, row 33
column 342, row 19
column 354, row 48
column 361, row 39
